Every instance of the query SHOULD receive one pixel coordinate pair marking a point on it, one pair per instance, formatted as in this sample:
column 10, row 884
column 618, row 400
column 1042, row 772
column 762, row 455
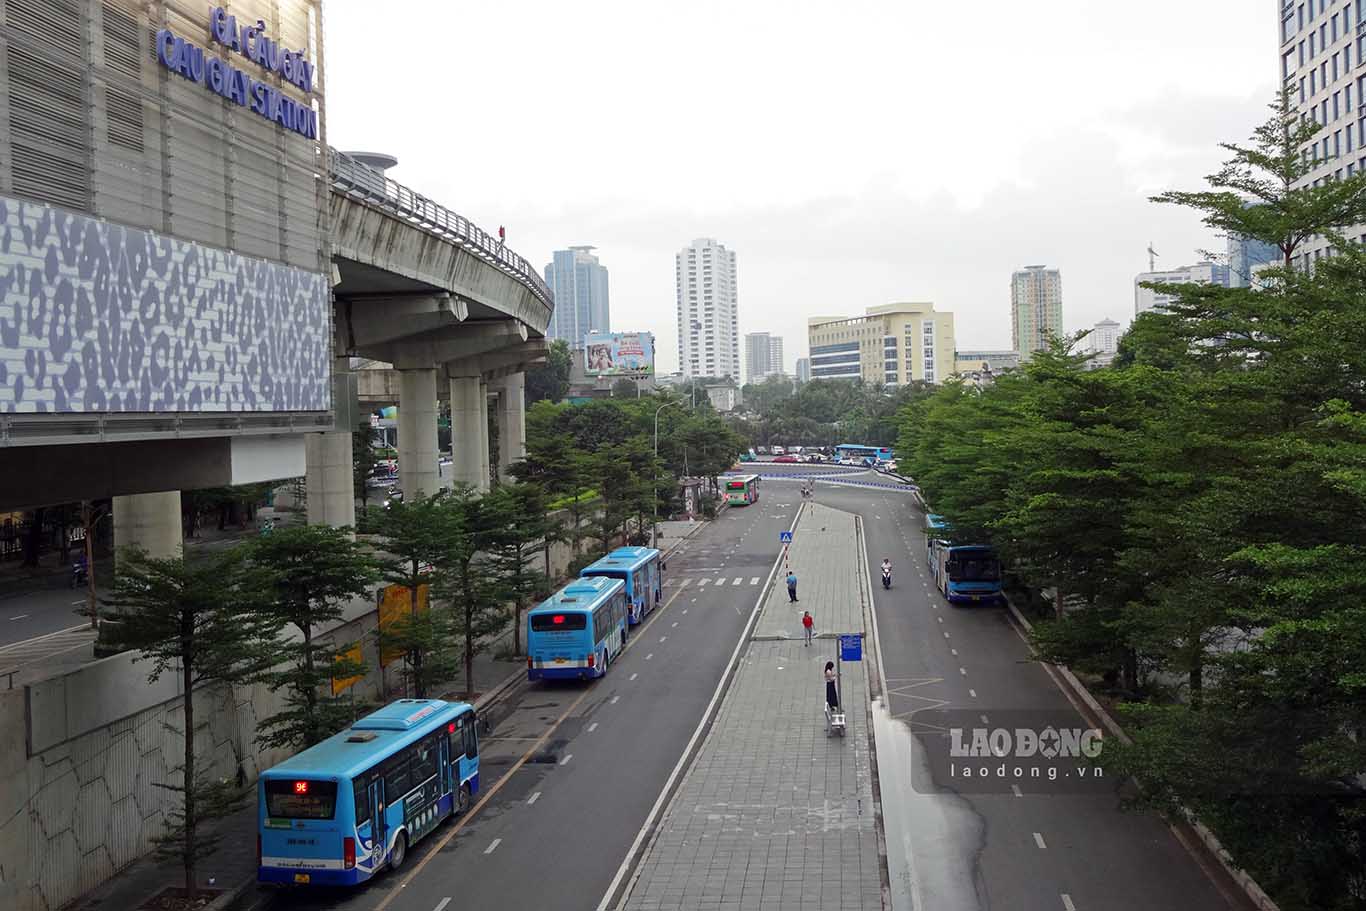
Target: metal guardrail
column 364, row 183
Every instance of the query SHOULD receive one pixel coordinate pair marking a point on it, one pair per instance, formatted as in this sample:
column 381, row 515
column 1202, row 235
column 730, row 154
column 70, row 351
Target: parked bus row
column 343, row 810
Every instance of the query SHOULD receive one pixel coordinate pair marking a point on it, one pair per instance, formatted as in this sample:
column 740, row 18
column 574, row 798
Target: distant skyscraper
column 1035, row 308
column 1146, row 299
column 579, row 283
column 803, row 369
column 1103, row 342
column 1245, row 255
column 763, row 356
column 708, row 304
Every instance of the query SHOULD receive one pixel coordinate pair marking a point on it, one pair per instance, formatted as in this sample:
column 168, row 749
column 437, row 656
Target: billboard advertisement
column 619, row 354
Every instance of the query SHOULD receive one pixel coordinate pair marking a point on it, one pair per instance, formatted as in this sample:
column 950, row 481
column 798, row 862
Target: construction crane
column 1152, row 258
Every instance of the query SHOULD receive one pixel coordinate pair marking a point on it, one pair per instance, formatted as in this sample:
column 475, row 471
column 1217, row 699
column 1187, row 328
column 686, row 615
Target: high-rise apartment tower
column 1035, row 308
column 708, row 318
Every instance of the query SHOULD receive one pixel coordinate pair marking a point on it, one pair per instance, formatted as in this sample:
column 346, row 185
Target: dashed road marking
column 1015, row 789
column 594, row 726
column 1067, row 902
column 662, row 638
column 533, row 798
column 493, row 846
column 633, row 676
column 675, row 623
column 652, row 654
column 963, row 671
column 946, row 634
column 441, row 905
column 685, row 610
column 955, row 652
column 972, row 693
column 613, row 700
column 22, row 616
column 983, row 717
column 564, row 761
column 1038, row 840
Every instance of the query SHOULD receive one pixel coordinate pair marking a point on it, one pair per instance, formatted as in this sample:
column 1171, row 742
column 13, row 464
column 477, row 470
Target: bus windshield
column 308, row 799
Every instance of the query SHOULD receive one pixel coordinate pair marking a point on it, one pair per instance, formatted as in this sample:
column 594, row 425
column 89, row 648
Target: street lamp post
column 654, row 522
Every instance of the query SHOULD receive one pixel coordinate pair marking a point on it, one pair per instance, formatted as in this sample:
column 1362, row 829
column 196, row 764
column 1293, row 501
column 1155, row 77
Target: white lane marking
column 963, row 671
column 955, row 652
column 693, row 601
column 613, row 700
column 567, row 757
column 685, row 610
column 594, row 726
column 675, row 625
column 737, row 581
column 940, row 619
column 972, row 693
column 684, row 583
column 702, row 582
column 662, row 638
column 754, row 580
column 946, row 634
column 1015, row 789
column 1038, row 840
column 634, row 676
column 493, row 846
column 533, row 798
column 983, row 717
column 441, row 905
column 77, row 603
column 649, row 656
column 1067, row 902
column 22, row 616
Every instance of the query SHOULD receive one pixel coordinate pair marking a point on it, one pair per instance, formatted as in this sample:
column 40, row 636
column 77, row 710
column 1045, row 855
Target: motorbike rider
column 886, row 570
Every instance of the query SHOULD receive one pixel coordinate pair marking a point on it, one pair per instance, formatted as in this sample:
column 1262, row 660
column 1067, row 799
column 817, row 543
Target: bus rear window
column 554, row 623
column 302, row 799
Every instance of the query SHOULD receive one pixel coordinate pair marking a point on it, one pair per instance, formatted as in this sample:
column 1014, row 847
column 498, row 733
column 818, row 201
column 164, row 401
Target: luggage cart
column 834, row 721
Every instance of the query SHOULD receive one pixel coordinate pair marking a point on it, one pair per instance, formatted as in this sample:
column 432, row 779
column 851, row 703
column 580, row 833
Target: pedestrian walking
column 808, row 625
column 791, row 587
column 832, row 697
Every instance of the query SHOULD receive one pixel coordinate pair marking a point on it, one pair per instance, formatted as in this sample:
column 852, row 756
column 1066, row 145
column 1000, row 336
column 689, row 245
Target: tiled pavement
column 773, row 814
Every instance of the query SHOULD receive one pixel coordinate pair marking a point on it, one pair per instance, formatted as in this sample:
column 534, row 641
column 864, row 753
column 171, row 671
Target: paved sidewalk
column 773, row 814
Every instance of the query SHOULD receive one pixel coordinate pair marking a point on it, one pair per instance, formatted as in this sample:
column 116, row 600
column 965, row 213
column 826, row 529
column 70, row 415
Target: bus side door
column 379, row 827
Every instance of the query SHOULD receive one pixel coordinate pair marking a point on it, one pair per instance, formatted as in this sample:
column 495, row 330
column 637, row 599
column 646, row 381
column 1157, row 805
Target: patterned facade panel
column 100, row 318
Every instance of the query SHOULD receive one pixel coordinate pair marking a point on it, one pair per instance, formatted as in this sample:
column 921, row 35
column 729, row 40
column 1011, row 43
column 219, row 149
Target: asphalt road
column 1055, row 846
column 558, row 826
column 39, row 613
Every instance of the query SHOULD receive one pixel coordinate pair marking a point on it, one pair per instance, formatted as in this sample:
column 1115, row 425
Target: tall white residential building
column 763, row 356
column 1200, row 273
column 1035, row 308
column 1103, row 343
column 708, row 321
column 1323, row 47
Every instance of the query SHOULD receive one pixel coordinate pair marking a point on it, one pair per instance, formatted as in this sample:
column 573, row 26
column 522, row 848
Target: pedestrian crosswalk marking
column 701, row 582
column 737, row 581
column 754, row 580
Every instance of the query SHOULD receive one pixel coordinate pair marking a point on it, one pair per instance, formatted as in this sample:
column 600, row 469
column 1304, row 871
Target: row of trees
column 825, row 412
column 1200, row 507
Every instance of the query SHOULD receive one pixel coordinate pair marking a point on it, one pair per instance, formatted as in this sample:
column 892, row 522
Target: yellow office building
column 891, row 345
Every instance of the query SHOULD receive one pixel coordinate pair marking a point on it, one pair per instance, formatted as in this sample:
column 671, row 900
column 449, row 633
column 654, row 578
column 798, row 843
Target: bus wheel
column 462, row 805
column 400, row 852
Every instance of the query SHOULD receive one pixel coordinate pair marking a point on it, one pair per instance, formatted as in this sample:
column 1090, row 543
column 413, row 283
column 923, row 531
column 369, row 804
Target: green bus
column 742, row 489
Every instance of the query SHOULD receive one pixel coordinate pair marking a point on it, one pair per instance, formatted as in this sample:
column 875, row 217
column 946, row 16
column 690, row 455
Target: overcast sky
column 851, row 154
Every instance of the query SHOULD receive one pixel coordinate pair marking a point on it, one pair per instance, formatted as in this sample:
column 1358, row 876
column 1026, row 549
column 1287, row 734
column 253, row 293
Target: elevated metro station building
column 188, row 272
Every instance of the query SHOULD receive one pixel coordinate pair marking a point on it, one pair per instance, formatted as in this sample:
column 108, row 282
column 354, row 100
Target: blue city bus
column 575, row 633
column 340, row 811
column 862, row 453
column 965, row 573
column 639, row 568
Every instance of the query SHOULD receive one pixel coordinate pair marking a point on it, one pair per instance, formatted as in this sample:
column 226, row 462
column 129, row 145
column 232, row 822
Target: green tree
column 309, row 573
column 417, row 536
column 199, row 620
column 521, row 526
column 364, row 460
column 469, row 580
column 550, row 381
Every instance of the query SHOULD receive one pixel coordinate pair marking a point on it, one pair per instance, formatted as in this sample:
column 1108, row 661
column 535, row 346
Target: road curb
column 1207, row 839
column 875, row 678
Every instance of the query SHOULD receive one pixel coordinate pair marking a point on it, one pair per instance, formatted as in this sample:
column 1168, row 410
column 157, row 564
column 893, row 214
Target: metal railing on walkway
column 351, row 178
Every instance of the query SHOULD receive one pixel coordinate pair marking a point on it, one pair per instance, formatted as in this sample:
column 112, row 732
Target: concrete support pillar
column 511, row 422
column 417, row 454
column 483, row 435
column 329, row 479
column 150, row 522
column 466, row 437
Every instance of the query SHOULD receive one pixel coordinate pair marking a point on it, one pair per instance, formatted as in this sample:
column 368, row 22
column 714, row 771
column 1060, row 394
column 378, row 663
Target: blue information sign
column 851, row 647
column 784, row 537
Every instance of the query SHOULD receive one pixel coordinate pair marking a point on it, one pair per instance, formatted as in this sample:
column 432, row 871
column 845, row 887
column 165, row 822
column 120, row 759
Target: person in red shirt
column 809, row 625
